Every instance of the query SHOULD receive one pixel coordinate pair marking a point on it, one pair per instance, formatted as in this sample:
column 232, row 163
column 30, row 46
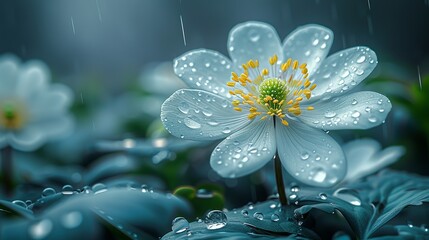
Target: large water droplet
column 361, row 59
column 345, row 73
column 40, row 229
column 226, row 130
column 354, row 102
column 20, row 203
column 355, row 114
column 215, row 219
column 99, row 188
column 48, row 192
column 258, row 215
column 315, row 42
column 191, row 123
column 184, row 107
column 179, row 225
column 67, row 190
column 348, row 195
column 372, row 119
column 305, row 155
column 319, row 175
column 330, row 114
column 207, row 113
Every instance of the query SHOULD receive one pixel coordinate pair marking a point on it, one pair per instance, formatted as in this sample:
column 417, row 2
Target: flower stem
column 279, row 180
column 279, row 177
column 7, row 169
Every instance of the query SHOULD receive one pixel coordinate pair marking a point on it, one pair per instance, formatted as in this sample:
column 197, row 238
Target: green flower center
column 11, row 115
column 273, row 91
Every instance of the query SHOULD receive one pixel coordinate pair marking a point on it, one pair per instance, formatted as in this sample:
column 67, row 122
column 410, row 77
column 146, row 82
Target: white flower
column 31, row 110
column 365, row 157
column 291, row 83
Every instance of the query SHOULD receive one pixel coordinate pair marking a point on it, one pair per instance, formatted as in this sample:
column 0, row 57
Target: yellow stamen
column 238, row 109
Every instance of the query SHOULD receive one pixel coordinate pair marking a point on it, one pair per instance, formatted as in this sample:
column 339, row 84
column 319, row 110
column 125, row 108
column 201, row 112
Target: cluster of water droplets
column 197, row 115
column 204, row 69
column 351, row 112
column 319, row 165
column 343, row 71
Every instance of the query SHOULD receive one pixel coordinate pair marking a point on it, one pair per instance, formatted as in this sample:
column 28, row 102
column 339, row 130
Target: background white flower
column 365, row 157
column 306, row 151
column 32, row 111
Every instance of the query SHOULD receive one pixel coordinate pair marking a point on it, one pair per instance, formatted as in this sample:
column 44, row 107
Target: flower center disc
column 273, row 91
column 11, row 117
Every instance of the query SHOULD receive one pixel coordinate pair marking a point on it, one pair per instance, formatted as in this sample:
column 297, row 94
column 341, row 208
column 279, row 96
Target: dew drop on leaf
column 215, row 220
column 48, row 192
column 179, row 225
column 258, row 215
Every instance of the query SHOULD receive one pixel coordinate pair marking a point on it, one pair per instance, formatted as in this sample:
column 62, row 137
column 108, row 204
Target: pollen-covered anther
column 272, row 92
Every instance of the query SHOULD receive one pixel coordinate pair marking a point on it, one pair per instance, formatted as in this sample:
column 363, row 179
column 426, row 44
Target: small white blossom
column 32, row 111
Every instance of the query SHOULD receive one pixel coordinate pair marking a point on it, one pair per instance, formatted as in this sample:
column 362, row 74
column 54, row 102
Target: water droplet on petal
column 315, row 42
column 319, row 175
column 244, row 212
column 330, row 114
column 345, row 73
column 179, row 225
column 48, row 192
column 355, row 114
column 354, row 102
column 258, row 215
column 207, row 113
column 215, row 219
column 184, row 107
column 226, row 130
column 361, row 59
column 305, row 156
column 191, row 123
column 372, row 119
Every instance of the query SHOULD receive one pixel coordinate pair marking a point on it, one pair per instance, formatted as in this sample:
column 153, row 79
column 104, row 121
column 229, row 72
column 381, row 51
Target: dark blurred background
column 107, row 43
column 114, row 39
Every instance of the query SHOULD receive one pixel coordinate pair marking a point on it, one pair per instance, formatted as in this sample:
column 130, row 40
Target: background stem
column 7, row 169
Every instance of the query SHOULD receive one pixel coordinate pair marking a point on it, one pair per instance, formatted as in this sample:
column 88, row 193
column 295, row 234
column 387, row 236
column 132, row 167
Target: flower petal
column 33, row 78
column 200, row 115
column 308, row 44
column 254, row 40
column 364, row 157
column 245, row 151
column 58, row 97
column 360, row 110
column 9, row 68
column 341, row 71
column 204, row 69
column 27, row 139
column 310, row 155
